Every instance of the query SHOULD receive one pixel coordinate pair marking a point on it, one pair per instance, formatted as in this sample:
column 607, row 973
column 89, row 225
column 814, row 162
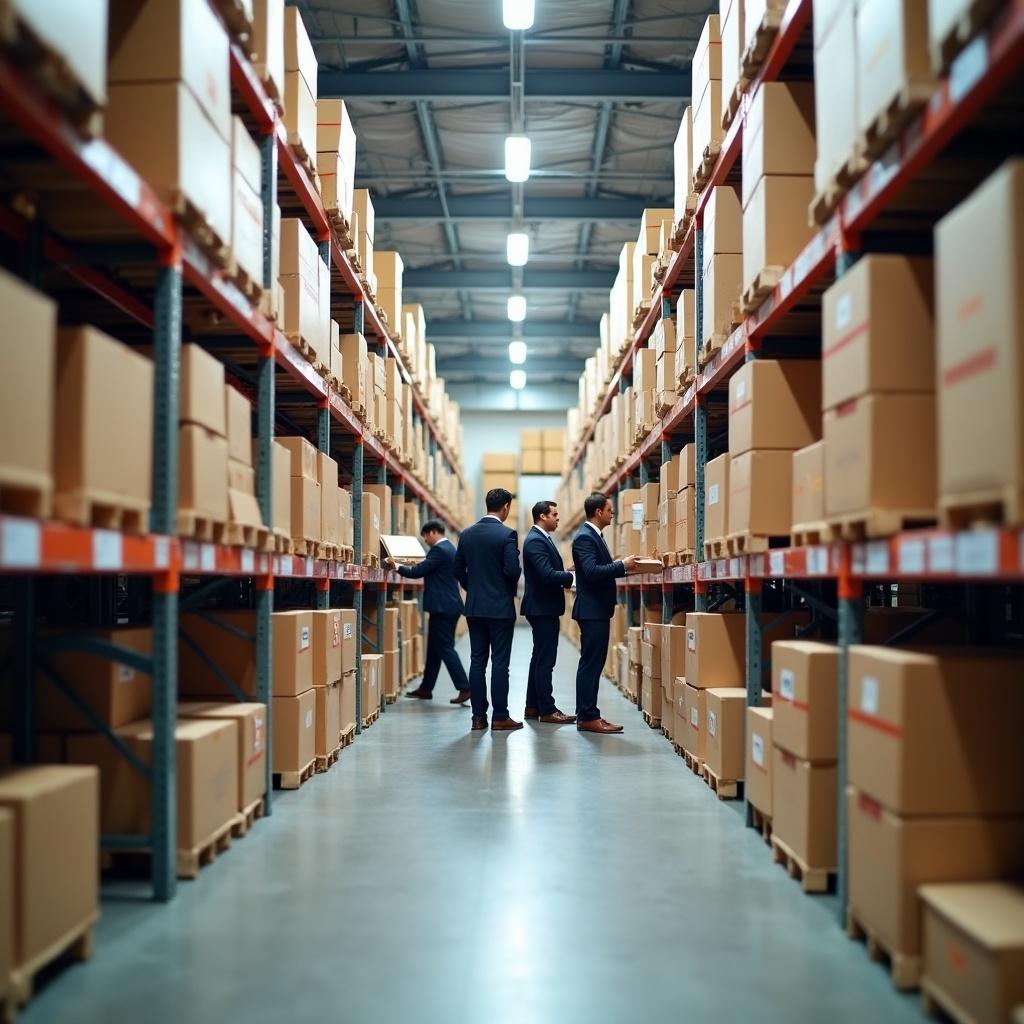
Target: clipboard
column 405, row 550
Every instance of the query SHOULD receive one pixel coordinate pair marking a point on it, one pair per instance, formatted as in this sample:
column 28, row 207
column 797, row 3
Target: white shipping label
column 694, row 718
column 940, row 553
column 248, row 562
column 207, row 558
column 376, row 522
column 844, row 311
column 787, row 684
column 304, row 638
column 309, row 719
column 757, row 749
column 713, row 494
column 691, row 639
column 869, row 695
column 977, row 553
column 348, row 630
column 776, row 563
column 125, row 673
column 712, row 723
column 911, row 555
column 336, row 632
column 20, row 544
column 638, row 515
column 106, row 550
column 647, row 633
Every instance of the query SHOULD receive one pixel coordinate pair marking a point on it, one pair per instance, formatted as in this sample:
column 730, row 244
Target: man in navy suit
column 596, row 573
column 543, row 605
column 487, row 566
column 441, row 598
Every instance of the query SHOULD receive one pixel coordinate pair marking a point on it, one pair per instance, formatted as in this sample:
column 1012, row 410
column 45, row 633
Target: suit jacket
column 487, row 566
column 596, row 573
column 546, row 578
column 440, row 589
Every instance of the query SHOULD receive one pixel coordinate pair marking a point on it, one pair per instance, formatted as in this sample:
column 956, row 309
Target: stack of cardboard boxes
column 294, row 700
column 246, row 208
column 243, row 509
column 363, row 228
column 638, row 521
column 306, row 292
column 336, row 159
column 327, row 681
column 499, row 470
column 648, row 246
column 300, row 88
column 676, row 520
column 306, row 497
column 707, row 131
column 722, row 273
column 387, row 268
column 202, row 442
column 541, row 451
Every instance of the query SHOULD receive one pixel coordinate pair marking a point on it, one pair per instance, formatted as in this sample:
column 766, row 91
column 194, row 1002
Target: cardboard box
column 695, row 713
column 723, row 284
column 293, row 652
column 327, row 644
column 731, row 15
column 349, row 640
column 835, row 88
column 808, row 471
column 672, row 655
column 302, row 310
column 891, row 857
column 934, row 732
column 865, row 471
column 354, row 367
column 330, row 512
column 328, row 718
column 980, row 327
column 371, row 524
column 348, row 702
column 238, row 414
column 52, row 853
column 202, row 473
column 715, row 649
column 723, row 224
column 650, row 694
column 805, row 682
column 294, row 735
column 680, row 723
column 686, row 520
column 298, row 50
column 268, row 44
column 804, row 808
column 725, row 712
column 531, row 461
column 682, row 162
column 531, row 438
column 778, row 134
column 716, row 499
column 760, row 493
column 774, row 403
column 305, row 509
column 553, row 462
column 877, row 330
column 707, row 59
column 251, row 732
column 362, row 206
column 373, row 682
column 758, row 774
column 280, row 459
column 202, row 398
column 334, row 131
column 707, row 125
column 246, row 205
column 974, row 948
column 775, row 228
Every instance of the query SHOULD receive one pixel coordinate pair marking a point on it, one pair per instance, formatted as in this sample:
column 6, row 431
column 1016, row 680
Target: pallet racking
column 840, row 573
column 147, row 272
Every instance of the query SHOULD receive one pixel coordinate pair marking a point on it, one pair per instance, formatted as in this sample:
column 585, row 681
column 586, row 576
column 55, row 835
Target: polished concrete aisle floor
column 438, row 875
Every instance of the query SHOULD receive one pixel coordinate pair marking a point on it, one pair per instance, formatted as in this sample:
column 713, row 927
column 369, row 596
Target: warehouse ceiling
column 434, row 88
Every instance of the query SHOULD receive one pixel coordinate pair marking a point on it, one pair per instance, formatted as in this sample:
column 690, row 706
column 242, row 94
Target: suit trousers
column 441, row 649
column 594, row 637
column 539, row 692
column 489, row 639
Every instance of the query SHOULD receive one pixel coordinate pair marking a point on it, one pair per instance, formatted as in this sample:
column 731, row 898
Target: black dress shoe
column 421, row 694
column 479, row 725
column 460, row 698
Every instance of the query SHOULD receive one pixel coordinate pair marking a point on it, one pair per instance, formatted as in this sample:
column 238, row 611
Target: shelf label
column 817, row 561
column 123, row 180
column 911, row 555
column 776, row 563
column 277, row 565
column 735, row 566
column 107, row 550
column 787, row 684
column 940, row 553
column 977, row 553
column 189, row 556
column 968, row 68
column 721, row 568
column 161, row 552
column 310, row 566
column 207, row 558
column 248, row 562
column 877, row 558
column 20, row 544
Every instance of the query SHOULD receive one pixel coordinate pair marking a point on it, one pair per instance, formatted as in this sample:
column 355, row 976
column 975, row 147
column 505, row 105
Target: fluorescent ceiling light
column 517, row 379
column 517, row 352
column 517, row 14
column 517, row 157
column 517, row 308
column 517, row 248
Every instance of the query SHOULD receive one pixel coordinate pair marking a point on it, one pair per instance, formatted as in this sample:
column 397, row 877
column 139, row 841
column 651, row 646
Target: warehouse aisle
column 438, row 875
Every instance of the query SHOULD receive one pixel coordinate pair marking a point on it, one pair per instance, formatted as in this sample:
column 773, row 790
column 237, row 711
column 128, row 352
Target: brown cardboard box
column 877, row 330
column 299, row 253
column 554, row 459
column 500, row 462
column 835, row 87
column 865, row 471
column 27, row 375
column 775, row 228
column 715, row 649
column 695, row 729
column 980, row 327
column 330, row 510
column 251, row 721
column 391, row 675
column 724, row 747
column 7, row 896
column 778, row 134
column 268, row 43
column 104, row 394
column 731, row 16
column 758, row 774
column 650, row 694
column 233, row 654
column 974, row 948
column 774, row 403
column 716, row 498
column 302, row 309
column 723, row 223
column 238, row 414
column 531, row 438
column 680, row 723
column 335, row 182
column 531, row 461
column 723, row 284
column 202, row 473
column 203, row 398
column 281, row 482
column 809, row 485
column 362, row 206
column 682, row 162
column 246, row 204
column 53, row 855
column 650, row 657
column 305, row 509
column 349, row 640
column 891, row 857
column 334, row 130
column 327, row 641
column 672, row 654
column 328, row 718
column 805, row 681
column 635, row 636
column 354, row 367
column 506, row 480
column 554, row 438
column 373, row 683
column 686, row 520
column 294, row 736
column 371, row 524
column 936, row 731
column 299, row 54
column 804, row 815
column 293, row 652
column 348, row 702
column 707, row 125
column 707, row 59
column 760, row 493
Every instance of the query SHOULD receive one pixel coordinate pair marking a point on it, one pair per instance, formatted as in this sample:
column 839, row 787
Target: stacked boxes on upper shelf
column 707, row 131
column 300, row 89
column 541, row 451
column 336, row 160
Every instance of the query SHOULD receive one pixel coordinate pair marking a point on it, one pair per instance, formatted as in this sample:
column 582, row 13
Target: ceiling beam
column 499, row 207
column 501, row 330
column 502, row 281
column 499, row 366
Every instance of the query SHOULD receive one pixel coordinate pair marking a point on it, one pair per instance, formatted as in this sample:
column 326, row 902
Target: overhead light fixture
column 517, row 248
column 517, row 14
column 517, row 308
column 517, row 157
column 517, row 379
column 517, row 352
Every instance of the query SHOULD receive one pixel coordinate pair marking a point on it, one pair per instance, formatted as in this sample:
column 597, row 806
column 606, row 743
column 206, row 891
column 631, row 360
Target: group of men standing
column 486, row 564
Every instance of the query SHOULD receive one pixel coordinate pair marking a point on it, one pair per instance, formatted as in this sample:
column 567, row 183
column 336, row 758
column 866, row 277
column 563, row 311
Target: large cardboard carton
column 732, row 17
column 330, row 511
column 715, row 649
column 890, row 857
column 835, row 87
column 778, row 134
column 268, row 44
column 238, row 413
column 760, row 493
column 280, row 469
column 936, row 731
column 865, row 471
column 682, row 161
column 306, row 507
column 349, row 640
column 716, row 498
column 246, row 204
column 348, row 702
column 232, row 650
column 299, row 54
column 707, row 59
column 809, row 485
column 774, row 403
column 758, row 774
column 294, row 736
column 328, row 718
column 202, row 474
column 695, row 729
column 302, row 311
column 724, row 749
column 293, row 652
column 775, row 228
column 804, row 808
column 334, row 132
column 650, row 694
column 805, row 686
column 371, row 524
column 680, row 723
column 372, row 682
column 327, row 646
column 53, row 855
column 202, row 398
column 672, row 655
column 707, row 131
column 686, row 520
column 723, row 284
column 723, row 223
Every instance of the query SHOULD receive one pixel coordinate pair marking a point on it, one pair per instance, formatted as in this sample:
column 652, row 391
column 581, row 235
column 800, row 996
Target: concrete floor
column 438, row 875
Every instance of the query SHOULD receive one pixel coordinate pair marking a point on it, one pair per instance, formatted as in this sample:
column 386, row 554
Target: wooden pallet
column 678, row 748
column 824, row 204
column 372, row 717
column 371, row 561
column 669, row 559
column 724, row 789
column 199, row 526
column 762, row 823
column 390, row 698
column 238, row 19
column 305, row 160
column 682, row 226
column 686, row 378
column 640, row 313
column 307, row 548
column 324, row 763
column 251, row 288
column 707, row 165
column 282, row 543
column 292, row 780
column 718, row 548
column 807, row 534
column 77, row 944
column 22, row 496
column 994, row 506
column 105, row 511
column 904, row 968
column 347, row 737
column 876, row 523
column 246, row 818
column 686, row 557
column 811, row 879
column 216, row 248
column 752, row 544
column 754, row 55
column 893, row 118
column 269, row 85
column 764, row 284
column 190, row 861
column 244, row 535
column 652, row 722
column 731, row 104
column 695, row 764
column 966, row 27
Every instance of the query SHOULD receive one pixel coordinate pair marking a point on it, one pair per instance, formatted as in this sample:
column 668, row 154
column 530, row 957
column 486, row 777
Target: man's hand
column 392, row 564
column 632, row 569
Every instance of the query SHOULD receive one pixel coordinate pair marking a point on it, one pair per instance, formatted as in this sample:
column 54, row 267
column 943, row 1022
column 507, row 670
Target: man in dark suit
column 442, row 600
column 487, row 566
column 543, row 605
column 596, row 573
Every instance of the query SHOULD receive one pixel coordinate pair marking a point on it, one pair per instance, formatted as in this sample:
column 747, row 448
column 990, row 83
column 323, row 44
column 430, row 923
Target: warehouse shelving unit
column 137, row 231
column 992, row 555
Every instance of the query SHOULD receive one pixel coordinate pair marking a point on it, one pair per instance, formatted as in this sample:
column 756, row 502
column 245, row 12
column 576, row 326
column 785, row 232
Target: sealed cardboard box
column 725, row 712
column 238, row 413
column 723, row 223
column 232, row 650
column 53, row 855
column 362, row 206
column 330, row 513
column 760, row 493
column 804, row 808
column 680, row 723
column 715, row 649
column 327, row 646
column 349, row 640
column 202, row 399
column 280, row 459
column 758, row 773
column 301, row 319
column 268, row 44
column 731, row 14
column 354, row 365
column 805, row 682
column 866, row 472
column 27, row 374
column 774, row 403
column 334, row 131
column 305, row 509
column 723, row 283
column 300, row 256
column 294, row 736
column 348, row 703
column 372, row 690
column 775, row 228
column 202, row 475
column 686, row 520
column 650, row 695
column 935, row 731
column 707, row 58
column 778, row 134
column 328, row 718
column 695, row 729
column 877, row 332
column 974, row 948
column 716, row 499
column 371, row 524
column 553, row 462
column 672, row 654
column 835, row 88
column 809, row 485
column 299, row 54
column 293, row 652
column 246, row 204
column 890, row 857
column 707, row 130
column 682, row 162
column 531, row 461
column 251, row 720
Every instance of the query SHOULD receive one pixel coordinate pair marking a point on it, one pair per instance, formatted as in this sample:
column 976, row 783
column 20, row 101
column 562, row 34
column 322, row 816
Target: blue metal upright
column 357, row 546
column 700, row 421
